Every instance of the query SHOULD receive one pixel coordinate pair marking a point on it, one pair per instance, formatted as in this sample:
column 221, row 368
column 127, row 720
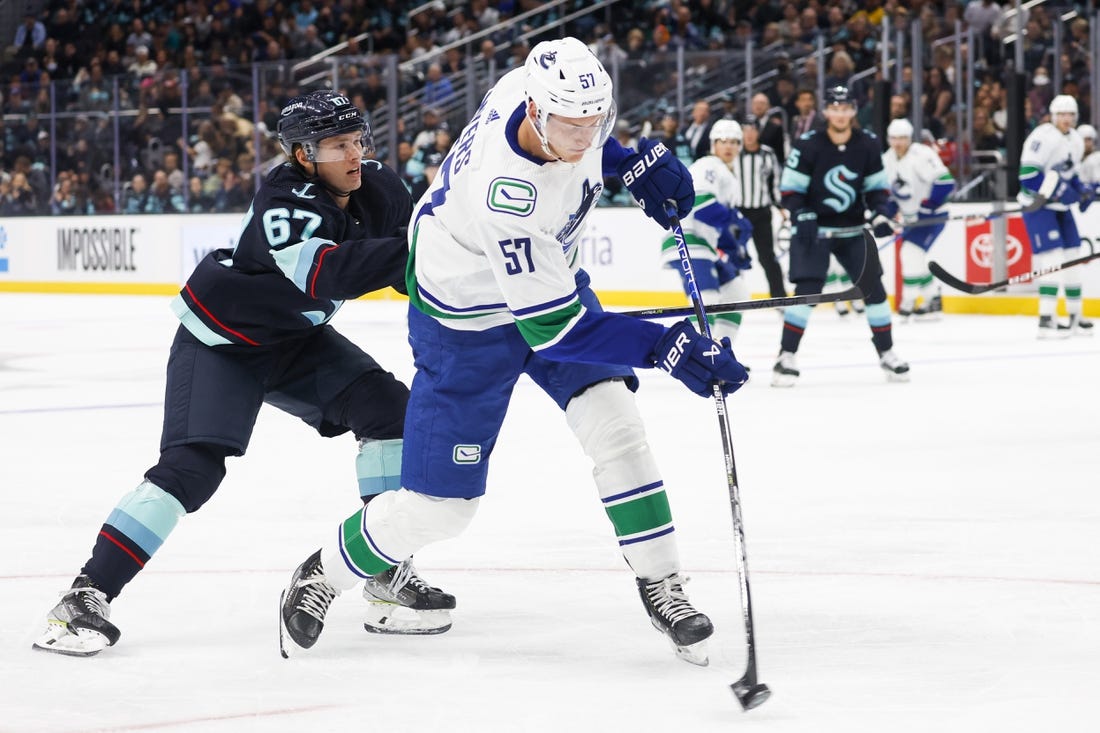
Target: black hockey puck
column 750, row 696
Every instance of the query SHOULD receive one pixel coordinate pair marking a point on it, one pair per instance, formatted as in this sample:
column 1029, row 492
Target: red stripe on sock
column 123, row 547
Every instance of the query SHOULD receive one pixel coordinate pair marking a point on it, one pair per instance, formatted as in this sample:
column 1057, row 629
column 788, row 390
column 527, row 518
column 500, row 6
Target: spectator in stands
column 135, row 198
column 63, row 202
column 235, row 194
column 139, row 36
column 840, row 70
column 142, row 66
column 1041, row 92
column 938, row 99
column 669, row 133
column 986, row 136
column 770, row 126
column 698, row 131
column 807, row 117
column 432, row 121
column 30, row 36
column 636, row 48
column 21, row 199
column 437, row 89
column 198, row 201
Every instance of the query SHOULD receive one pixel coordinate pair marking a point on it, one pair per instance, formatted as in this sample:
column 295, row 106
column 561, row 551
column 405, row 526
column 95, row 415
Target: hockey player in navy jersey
column 325, row 227
column 1049, row 165
column 830, row 178
column 496, row 291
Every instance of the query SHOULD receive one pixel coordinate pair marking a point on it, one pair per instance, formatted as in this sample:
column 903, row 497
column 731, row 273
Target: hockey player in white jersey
column 715, row 231
column 496, row 291
column 1090, row 160
column 919, row 186
column 1049, row 166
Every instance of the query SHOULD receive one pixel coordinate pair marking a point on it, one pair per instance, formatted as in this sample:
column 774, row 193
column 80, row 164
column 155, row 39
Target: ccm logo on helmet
column 644, row 163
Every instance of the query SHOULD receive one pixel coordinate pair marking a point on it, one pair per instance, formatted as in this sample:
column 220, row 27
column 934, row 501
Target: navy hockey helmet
column 838, row 95
column 309, row 118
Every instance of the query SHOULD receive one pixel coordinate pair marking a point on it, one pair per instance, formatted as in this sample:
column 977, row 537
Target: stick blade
column 750, row 695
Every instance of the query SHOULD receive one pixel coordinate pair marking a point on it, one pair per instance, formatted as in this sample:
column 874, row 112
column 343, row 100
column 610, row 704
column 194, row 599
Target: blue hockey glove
column 734, row 250
column 1088, row 195
column 1068, row 192
column 698, row 361
column 803, row 229
column 654, row 176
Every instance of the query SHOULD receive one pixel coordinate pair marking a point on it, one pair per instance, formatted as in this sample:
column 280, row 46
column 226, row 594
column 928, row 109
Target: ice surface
column 923, row 556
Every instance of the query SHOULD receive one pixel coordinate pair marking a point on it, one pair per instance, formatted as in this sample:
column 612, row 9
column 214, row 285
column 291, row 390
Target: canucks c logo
column 547, row 59
column 843, row 194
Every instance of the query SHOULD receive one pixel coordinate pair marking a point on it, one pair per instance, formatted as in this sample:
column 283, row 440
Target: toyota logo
column 981, row 250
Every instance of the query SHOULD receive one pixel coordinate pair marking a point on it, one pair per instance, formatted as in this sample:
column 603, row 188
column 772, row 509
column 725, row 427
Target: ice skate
column 785, row 372
column 303, row 605
column 841, row 308
column 78, row 625
column 672, row 614
column 858, row 307
column 400, row 602
column 896, row 369
column 1080, row 326
column 1050, row 328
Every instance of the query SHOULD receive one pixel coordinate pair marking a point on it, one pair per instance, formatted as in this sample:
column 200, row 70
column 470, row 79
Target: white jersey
column 1047, row 149
column 714, row 184
column 912, row 176
column 495, row 237
column 1090, row 168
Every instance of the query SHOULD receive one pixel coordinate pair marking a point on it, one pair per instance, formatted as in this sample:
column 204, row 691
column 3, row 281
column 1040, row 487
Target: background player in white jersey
column 496, row 291
column 1090, row 160
column 919, row 186
column 1048, row 166
column 716, row 233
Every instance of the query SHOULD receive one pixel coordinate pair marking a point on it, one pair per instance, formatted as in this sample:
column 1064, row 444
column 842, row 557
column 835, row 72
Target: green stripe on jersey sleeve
column 546, row 329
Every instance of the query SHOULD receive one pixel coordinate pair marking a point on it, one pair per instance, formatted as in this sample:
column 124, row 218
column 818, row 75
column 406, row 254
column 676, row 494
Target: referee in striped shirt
column 758, row 170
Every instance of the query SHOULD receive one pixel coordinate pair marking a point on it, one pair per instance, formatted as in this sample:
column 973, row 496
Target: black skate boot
column 78, row 625
column 400, row 602
column 672, row 614
column 303, row 605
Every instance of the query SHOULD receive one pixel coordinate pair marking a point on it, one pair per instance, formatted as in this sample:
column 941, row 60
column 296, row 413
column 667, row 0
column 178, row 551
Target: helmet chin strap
column 543, row 140
column 319, row 181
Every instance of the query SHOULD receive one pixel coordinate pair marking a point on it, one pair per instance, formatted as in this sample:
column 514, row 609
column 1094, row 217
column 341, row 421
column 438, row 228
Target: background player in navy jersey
column 831, row 177
column 324, row 227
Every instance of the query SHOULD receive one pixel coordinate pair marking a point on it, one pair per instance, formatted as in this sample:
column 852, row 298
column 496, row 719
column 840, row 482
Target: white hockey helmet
column 726, row 130
column 565, row 79
column 1063, row 104
column 900, row 127
column 1088, row 132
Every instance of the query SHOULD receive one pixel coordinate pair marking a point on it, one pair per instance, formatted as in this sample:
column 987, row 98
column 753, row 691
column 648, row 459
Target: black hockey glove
column 654, row 176
column 697, row 361
column 804, row 229
column 883, row 226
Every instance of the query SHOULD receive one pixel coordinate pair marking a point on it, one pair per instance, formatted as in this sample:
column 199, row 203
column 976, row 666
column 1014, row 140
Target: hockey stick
column 979, row 288
column 852, row 293
column 1039, row 202
column 748, row 691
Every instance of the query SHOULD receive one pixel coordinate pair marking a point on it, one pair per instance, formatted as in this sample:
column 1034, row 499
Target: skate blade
column 391, row 618
column 783, row 380
column 63, row 639
column 693, row 653
column 286, row 643
column 897, row 378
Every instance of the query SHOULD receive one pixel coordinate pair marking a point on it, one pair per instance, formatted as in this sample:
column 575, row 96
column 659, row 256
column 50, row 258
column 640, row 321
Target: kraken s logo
column 548, row 59
column 836, row 183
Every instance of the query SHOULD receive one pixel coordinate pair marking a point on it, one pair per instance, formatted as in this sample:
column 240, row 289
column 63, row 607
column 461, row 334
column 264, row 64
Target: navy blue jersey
column 298, row 257
column 838, row 182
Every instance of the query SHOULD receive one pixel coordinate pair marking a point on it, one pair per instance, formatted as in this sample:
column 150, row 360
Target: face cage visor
column 342, row 151
column 560, row 136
